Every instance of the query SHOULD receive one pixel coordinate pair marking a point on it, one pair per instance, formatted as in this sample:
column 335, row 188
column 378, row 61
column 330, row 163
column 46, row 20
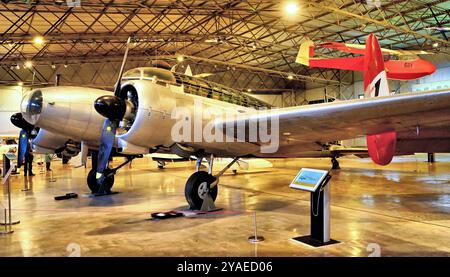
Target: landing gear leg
column 335, row 163
column 198, row 163
column 202, row 187
column 161, row 164
column 102, row 185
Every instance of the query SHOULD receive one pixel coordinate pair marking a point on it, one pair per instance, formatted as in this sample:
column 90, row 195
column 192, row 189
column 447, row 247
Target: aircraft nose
column 31, row 106
column 431, row 67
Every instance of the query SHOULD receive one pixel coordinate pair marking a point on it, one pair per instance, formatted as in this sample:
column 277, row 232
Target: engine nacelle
column 48, row 142
column 382, row 147
column 152, row 122
column 66, row 111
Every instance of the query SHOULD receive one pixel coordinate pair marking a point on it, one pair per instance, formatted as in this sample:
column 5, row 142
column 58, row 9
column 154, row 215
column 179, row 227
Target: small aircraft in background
column 398, row 64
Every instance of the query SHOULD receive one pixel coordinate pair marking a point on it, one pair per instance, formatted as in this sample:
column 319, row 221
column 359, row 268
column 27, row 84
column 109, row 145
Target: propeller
column 25, row 133
column 113, row 107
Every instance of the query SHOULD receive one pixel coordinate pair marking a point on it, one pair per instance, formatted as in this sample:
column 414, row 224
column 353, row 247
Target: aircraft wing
column 343, row 47
column 309, row 127
column 360, row 49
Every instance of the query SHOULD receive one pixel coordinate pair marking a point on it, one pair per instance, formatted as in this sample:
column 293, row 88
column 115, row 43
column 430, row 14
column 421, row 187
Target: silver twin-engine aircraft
column 154, row 110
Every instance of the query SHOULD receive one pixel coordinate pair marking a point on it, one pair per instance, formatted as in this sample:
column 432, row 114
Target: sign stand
column 8, row 215
column 317, row 183
column 255, row 238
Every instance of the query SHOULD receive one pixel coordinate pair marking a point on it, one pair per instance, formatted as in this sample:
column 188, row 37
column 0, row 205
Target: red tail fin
column 375, row 77
column 381, row 147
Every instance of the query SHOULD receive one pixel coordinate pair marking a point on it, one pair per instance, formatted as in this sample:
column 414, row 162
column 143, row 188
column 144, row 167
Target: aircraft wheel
column 92, row 182
column 196, row 188
column 65, row 160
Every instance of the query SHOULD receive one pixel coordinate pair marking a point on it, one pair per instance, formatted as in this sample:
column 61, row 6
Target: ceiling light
column 214, row 40
column 435, row 45
column 17, row 66
column 290, row 77
column 180, row 59
column 38, row 40
column 249, row 90
column 291, row 8
column 53, row 66
column 28, row 64
column 20, row 84
column 441, row 29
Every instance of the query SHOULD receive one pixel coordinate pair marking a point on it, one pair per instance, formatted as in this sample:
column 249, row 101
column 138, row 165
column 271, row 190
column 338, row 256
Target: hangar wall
column 10, row 97
column 285, row 99
column 439, row 80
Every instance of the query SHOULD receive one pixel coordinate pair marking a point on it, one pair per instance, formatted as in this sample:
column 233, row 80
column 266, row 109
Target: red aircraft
column 399, row 64
column 376, row 70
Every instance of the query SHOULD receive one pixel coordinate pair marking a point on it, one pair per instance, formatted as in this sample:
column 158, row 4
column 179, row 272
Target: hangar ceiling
column 246, row 44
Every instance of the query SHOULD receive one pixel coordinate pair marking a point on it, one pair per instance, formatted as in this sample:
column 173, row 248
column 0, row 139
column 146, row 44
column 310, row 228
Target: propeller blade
column 124, row 61
column 23, row 144
column 112, row 107
column 106, row 144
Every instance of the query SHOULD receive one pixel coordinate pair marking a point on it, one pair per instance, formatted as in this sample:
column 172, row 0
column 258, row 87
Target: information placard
column 308, row 179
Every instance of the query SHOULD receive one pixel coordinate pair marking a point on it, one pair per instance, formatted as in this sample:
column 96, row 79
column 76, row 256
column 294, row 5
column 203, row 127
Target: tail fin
column 306, row 52
column 375, row 77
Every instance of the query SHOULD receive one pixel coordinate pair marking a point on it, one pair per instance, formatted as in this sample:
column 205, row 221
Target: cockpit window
column 216, row 91
column 31, row 106
column 132, row 74
column 35, row 103
column 159, row 74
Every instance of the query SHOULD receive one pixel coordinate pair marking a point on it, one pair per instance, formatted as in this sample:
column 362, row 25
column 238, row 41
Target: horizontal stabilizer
column 306, row 52
column 306, row 57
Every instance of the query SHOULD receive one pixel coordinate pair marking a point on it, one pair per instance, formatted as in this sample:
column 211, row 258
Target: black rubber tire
column 192, row 185
column 92, row 182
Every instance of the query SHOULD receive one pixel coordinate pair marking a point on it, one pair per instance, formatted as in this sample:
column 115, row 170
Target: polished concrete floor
column 401, row 210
